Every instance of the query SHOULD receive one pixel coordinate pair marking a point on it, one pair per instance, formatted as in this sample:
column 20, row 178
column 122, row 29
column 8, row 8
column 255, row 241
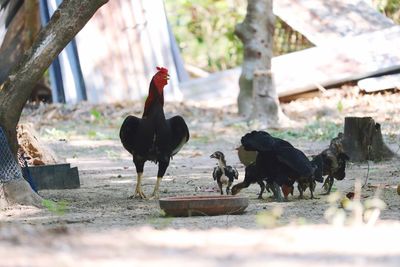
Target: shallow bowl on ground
column 203, row 205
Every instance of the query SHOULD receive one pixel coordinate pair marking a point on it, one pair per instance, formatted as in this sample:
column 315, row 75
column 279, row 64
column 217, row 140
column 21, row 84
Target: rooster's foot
column 155, row 195
column 138, row 194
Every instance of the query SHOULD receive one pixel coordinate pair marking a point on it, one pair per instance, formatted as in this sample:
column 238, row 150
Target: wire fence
column 9, row 167
column 287, row 40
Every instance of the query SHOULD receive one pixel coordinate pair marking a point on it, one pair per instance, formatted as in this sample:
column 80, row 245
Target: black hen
column 251, row 177
column 223, row 173
column 280, row 162
column 153, row 137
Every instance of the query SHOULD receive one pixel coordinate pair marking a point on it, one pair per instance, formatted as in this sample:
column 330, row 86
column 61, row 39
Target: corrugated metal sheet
column 120, row 48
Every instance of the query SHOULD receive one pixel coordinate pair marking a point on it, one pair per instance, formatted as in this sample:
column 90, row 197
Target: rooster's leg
column 328, row 185
column 139, row 170
column 276, row 189
column 312, row 188
column 262, row 188
column 138, row 191
column 156, row 192
column 220, row 187
column 228, row 188
column 300, row 188
column 162, row 167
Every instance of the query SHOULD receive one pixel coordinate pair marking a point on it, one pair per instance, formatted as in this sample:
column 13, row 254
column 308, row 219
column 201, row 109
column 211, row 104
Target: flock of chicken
column 276, row 166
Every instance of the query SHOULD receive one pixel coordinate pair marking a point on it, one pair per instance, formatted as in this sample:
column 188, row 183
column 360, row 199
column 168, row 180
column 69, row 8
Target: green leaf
column 96, row 114
column 339, row 106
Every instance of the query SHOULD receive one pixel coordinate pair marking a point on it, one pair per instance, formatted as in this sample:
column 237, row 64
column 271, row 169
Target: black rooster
column 279, row 162
column 223, row 174
column 153, row 137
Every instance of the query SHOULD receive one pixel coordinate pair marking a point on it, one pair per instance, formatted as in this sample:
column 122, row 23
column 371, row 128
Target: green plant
column 111, row 154
column 319, row 130
column 162, row 221
column 58, row 134
column 58, row 208
column 269, row 219
column 322, row 130
column 339, row 106
column 96, row 115
column 390, row 8
column 204, row 30
column 343, row 210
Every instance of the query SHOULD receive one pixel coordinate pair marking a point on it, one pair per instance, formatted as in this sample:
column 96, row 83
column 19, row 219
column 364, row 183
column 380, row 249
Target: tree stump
column 363, row 140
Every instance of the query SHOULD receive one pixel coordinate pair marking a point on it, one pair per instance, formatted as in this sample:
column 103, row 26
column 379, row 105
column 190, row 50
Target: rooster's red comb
column 162, row 70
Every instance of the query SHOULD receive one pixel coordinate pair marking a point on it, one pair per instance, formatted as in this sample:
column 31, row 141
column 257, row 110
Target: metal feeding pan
column 203, row 205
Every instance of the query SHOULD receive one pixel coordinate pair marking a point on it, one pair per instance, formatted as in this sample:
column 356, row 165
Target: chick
column 223, row 174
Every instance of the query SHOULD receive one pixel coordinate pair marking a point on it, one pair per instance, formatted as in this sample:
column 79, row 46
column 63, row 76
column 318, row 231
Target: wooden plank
column 376, row 84
column 216, row 90
column 349, row 59
column 322, row 21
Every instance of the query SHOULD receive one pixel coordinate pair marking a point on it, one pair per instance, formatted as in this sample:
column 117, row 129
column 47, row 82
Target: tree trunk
column 266, row 107
column 20, row 36
column 65, row 23
column 258, row 98
column 12, row 47
column 363, row 140
column 18, row 192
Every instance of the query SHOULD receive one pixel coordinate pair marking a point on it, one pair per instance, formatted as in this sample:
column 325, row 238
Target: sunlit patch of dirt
column 99, row 214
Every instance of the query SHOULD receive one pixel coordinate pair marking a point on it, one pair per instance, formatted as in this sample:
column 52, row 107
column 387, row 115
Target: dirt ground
column 101, row 226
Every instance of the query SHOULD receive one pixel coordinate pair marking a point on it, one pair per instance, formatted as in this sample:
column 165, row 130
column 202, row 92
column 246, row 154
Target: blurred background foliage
column 204, row 30
column 391, row 8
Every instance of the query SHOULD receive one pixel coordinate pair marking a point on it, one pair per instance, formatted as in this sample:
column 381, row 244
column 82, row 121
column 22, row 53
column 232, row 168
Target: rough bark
column 32, row 22
column 266, row 107
column 18, row 192
column 363, row 140
column 257, row 97
column 65, row 23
